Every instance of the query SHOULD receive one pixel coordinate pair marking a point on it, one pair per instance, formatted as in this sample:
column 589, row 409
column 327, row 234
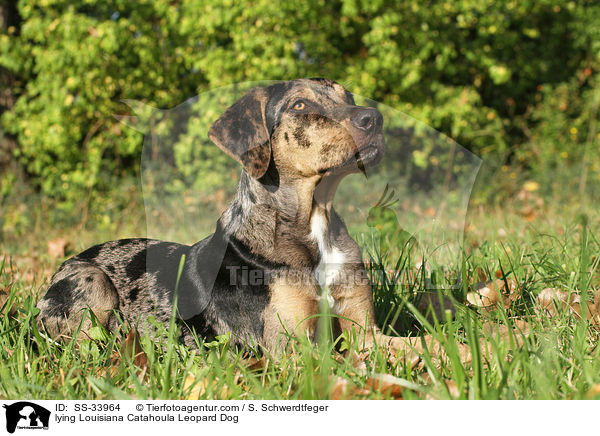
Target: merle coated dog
column 278, row 249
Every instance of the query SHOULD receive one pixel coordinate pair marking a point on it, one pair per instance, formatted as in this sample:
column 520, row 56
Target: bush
column 508, row 80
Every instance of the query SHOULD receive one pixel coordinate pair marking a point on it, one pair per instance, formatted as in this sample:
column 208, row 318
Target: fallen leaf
column 387, row 384
column 595, row 311
column 343, row 389
column 489, row 295
column 484, row 296
column 8, row 308
column 339, row 389
column 520, row 330
column 130, row 348
column 529, row 214
column 57, row 247
column 253, row 364
column 552, row 300
column 481, row 274
column 358, row 362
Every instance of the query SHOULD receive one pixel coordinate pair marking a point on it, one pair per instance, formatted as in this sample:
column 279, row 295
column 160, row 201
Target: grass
column 558, row 359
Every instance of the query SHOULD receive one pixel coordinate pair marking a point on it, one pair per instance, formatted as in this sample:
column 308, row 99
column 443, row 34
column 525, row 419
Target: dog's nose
column 367, row 119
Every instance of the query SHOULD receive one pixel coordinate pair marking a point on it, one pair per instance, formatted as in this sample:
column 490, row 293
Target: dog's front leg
column 289, row 313
column 354, row 306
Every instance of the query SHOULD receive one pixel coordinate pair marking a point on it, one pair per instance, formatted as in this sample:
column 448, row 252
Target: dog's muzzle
column 369, row 123
column 367, row 119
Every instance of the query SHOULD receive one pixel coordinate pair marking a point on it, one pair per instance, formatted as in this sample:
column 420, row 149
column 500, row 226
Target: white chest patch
column 332, row 259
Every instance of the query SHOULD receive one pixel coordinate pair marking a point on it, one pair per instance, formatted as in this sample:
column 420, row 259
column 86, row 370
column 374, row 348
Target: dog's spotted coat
column 295, row 140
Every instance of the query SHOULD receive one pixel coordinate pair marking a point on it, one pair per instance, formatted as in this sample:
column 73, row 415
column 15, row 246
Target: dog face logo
column 26, row 415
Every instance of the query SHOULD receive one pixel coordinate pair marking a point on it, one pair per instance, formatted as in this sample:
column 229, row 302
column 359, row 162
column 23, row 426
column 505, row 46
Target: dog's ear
column 242, row 132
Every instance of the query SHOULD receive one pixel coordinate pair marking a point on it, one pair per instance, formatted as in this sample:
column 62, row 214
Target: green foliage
column 508, row 80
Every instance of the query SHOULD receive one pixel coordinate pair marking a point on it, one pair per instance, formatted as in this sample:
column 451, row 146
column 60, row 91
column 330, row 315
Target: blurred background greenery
column 515, row 82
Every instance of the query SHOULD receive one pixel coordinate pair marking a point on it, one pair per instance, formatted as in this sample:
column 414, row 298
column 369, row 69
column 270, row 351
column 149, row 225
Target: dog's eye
column 299, row 105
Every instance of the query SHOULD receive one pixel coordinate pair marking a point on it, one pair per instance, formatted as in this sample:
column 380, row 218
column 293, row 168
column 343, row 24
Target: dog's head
column 303, row 128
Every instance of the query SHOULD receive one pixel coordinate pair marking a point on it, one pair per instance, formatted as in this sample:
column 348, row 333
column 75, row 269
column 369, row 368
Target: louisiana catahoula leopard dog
column 277, row 250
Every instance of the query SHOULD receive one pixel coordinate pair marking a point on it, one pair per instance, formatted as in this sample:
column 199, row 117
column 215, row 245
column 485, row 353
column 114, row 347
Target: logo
column 26, row 415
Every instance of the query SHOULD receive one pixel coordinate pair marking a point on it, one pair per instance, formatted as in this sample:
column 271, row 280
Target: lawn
column 527, row 306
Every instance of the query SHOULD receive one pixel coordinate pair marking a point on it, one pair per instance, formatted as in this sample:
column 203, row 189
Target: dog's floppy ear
column 242, row 132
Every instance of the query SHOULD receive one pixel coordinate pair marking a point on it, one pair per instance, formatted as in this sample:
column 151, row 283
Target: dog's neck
column 279, row 218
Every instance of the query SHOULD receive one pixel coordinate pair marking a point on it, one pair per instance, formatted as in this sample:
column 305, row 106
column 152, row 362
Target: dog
column 278, row 251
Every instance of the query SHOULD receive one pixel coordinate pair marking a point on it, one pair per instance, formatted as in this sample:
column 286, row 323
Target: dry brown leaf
column 343, row 389
column 130, row 348
column 387, row 384
column 591, row 308
column 411, row 349
column 595, row 310
column 339, row 389
column 489, row 295
column 528, row 213
column 57, row 247
column 519, row 331
column 253, row 364
column 9, row 309
column 552, row 300
column 358, row 362
column 481, row 274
